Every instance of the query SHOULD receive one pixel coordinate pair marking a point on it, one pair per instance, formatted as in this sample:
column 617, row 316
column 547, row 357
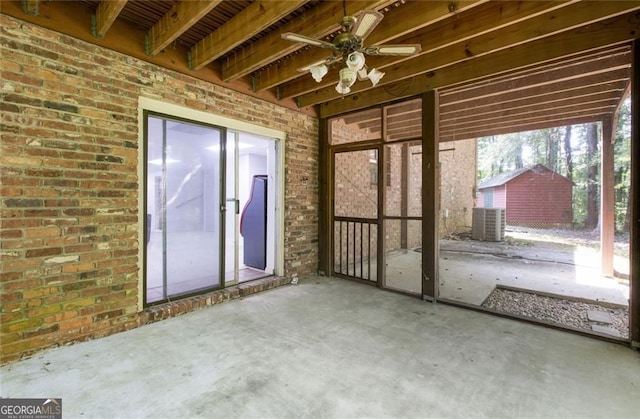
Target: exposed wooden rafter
column 106, row 14
column 462, row 43
column 612, row 31
column 250, row 21
column 402, row 20
column 317, row 23
column 445, row 31
column 175, row 22
column 539, row 29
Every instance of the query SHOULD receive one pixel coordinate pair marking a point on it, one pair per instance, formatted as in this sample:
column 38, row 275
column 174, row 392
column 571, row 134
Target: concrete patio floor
column 470, row 271
column 330, row 348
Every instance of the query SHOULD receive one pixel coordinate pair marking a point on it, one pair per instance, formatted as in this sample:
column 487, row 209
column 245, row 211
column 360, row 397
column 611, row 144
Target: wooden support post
column 634, row 195
column 325, row 204
column 404, row 197
column 430, row 195
column 607, row 197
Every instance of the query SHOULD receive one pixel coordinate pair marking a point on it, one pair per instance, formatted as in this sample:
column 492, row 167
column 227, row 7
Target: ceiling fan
column 348, row 47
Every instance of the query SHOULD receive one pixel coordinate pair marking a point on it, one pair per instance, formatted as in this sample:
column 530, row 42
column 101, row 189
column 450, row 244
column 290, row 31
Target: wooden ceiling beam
column 455, row 33
column 546, row 97
column 525, row 120
column 175, row 22
column 596, row 82
column 582, row 69
column 371, row 114
column 404, row 19
column 540, row 28
column 318, row 22
column 106, row 14
column 534, row 111
column 560, row 122
column 482, row 85
column 610, row 32
column 256, row 17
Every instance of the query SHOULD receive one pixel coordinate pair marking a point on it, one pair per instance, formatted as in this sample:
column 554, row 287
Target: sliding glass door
column 184, row 212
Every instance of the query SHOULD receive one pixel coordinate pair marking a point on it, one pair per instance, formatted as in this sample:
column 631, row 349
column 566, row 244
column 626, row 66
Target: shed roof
column 506, row 177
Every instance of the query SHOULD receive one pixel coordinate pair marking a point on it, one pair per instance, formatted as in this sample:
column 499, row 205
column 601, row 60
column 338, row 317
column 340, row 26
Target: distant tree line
column 574, row 151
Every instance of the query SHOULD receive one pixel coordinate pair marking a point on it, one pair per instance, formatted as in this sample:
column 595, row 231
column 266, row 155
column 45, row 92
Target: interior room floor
column 330, row 348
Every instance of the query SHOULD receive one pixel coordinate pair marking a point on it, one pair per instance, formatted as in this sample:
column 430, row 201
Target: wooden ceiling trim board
column 546, row 95
column 250, row 21
column 541, row 27
column 421, row 15
column 610, row 32
column 175, row 22
column 583, row 65
column 449, row 32
column 586, row 119
column 318, row 22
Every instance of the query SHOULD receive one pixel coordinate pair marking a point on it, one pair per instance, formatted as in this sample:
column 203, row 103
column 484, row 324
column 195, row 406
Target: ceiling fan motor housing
column 347, row 43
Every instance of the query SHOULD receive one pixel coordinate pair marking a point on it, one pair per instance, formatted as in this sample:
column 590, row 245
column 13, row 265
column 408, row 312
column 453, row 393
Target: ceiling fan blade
column 400, row 49
column 366, row 23
column 289, row 36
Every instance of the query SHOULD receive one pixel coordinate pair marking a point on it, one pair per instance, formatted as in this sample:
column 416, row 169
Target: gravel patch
column 555, row 310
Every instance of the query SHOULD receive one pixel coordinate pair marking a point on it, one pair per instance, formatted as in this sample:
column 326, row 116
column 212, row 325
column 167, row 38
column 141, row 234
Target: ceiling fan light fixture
column 375, row 76
column 342, row 88
column 318, row 72
column 348, row 76
column 355, row 61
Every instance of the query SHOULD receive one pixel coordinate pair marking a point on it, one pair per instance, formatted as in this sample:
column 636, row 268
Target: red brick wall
column 69, row 202
column 457, row 181
column 539, row 199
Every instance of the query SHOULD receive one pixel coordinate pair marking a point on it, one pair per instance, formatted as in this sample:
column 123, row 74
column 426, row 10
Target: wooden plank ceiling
column 500, row 66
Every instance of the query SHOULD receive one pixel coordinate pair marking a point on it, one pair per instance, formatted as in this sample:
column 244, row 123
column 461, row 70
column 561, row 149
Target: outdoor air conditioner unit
column 488, row 224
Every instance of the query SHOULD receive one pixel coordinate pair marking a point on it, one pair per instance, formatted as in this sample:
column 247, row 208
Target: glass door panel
column 155, row 288
column 232, row 211
column 183, row 208
column 192, row 208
